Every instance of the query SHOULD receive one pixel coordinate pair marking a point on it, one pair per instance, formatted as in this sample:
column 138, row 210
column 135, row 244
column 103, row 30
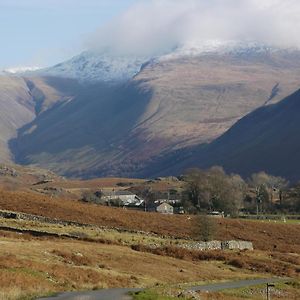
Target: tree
column 89, row 196
column 204, row 228
column 264, row 185
column 227, row 191
column 215, row 190
column 197, row 187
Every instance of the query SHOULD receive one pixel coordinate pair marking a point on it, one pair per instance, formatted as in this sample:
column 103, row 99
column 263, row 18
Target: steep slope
column 197, row 98
column 16, row 109
column 85, row 136
column 22, row 99
column 266, row 139
column 173, row 103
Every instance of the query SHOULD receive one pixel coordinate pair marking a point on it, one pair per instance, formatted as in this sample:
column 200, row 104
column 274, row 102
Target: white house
column 127, row 198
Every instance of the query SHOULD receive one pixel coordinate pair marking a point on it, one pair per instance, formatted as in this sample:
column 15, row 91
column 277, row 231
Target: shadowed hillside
column 22, row 99
column 266, row 139
column 87, row 135
column 16, row 109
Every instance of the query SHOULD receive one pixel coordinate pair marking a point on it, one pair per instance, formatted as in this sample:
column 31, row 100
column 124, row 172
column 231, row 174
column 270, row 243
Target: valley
column 149, row 150
column 126, row 128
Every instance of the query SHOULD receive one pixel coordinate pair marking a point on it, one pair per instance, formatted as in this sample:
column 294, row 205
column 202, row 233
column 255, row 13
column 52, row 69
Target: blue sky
column 44, row 32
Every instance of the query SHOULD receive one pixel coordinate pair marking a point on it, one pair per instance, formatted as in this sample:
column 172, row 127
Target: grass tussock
column 78, row 259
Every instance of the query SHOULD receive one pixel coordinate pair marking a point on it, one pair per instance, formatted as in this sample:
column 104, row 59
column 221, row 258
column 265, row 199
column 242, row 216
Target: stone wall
column 29, row 217
column 212, row 245
column 241, row 245
column 219, row 245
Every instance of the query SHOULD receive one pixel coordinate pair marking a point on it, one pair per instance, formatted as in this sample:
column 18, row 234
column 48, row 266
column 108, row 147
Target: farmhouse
column 127, row 198
column 165, row 208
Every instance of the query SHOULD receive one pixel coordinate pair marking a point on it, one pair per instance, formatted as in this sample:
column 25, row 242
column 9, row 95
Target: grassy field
column 31, row 266
column 265, row 236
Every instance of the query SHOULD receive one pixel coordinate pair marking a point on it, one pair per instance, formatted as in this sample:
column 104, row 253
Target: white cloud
column 152, row 27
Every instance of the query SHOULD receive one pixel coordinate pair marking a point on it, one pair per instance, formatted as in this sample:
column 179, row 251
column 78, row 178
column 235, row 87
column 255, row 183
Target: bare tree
column 214, row 189
column 264, row 185
column 204, row 228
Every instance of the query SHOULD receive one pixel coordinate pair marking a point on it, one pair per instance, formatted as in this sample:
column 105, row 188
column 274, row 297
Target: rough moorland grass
column 282, row 290
column 256, row 261
column 39, row 266
column 93, row 233
column 264, row 235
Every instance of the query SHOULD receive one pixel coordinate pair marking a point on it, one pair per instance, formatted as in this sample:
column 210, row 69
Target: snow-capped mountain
column 174, row 102
column 219, row 47
column 94, row 67
column 91, row 67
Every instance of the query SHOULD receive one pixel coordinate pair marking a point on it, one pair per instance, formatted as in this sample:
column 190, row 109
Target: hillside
column 266, row 139
column 22, row 99
column 172, row 103
column 285, row 236
column 16, row 110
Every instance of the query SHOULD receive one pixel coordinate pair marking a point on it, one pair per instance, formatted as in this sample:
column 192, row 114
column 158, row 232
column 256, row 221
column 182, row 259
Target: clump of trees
column 201, row 191
column 214, row 190
column 265, row 187
column 92, row 197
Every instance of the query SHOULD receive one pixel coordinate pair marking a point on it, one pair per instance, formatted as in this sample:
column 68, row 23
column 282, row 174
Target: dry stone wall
column 212, row 245
column 219, row 245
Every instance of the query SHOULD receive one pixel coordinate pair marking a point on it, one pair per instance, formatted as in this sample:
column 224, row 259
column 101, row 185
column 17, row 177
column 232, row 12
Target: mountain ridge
column 167, row 107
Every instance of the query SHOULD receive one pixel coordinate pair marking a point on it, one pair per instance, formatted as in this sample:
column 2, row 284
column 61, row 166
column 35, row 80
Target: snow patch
column 94, row 67
column 217, row 47
column 23, row 69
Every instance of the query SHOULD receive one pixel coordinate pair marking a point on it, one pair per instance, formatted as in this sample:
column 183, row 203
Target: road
column 122, row 294
column 105, row 294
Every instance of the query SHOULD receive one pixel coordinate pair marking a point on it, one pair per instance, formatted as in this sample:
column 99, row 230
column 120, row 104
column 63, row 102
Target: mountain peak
column 96, row 66
column 92, row 66
column 218, row 47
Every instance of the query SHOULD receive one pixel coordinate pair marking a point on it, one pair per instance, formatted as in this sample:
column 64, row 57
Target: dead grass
column 264, row 235
column 248, row 260
column 77, row 259
column 42, row 266
column 283, row 290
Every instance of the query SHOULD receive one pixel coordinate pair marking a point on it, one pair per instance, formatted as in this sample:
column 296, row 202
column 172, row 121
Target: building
column 218, row 214
column 170, row 201
column 165, row 208
column 126, row 197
